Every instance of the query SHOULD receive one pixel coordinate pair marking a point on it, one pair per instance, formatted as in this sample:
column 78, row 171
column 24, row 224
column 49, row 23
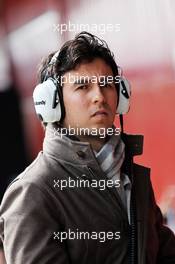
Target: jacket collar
column 72, row 150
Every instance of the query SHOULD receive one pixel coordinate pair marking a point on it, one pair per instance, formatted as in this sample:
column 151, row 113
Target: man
column 83, row 200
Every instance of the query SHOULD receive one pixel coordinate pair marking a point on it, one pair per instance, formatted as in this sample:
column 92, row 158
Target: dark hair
column 85, row 47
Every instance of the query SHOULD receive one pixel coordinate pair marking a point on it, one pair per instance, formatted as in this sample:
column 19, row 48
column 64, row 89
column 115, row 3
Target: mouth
column 101, row 112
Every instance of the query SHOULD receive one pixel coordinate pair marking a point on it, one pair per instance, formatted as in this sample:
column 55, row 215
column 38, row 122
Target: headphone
column 48, row 99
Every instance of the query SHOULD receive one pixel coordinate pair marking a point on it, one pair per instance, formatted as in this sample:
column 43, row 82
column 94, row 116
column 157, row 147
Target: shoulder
column 31, row 196
column 141, row 178
column 34, row 185
column 40, row 173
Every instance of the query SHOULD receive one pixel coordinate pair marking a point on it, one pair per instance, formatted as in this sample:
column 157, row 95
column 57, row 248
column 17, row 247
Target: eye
column 82, row 87
column 107, row 85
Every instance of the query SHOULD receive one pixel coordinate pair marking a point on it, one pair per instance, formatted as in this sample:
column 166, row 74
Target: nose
column 97, row 95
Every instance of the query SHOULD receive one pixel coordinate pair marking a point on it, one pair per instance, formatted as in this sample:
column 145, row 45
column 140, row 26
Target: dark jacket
column 35, row 211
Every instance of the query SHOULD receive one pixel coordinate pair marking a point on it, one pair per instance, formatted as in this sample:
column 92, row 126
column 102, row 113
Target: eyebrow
column 87, row 80
column 82, row 80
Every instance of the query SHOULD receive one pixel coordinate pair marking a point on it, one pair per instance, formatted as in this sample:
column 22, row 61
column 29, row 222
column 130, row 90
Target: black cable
column 121, row 122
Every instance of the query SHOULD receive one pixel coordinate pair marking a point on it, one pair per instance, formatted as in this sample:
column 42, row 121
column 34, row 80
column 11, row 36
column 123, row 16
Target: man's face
column 89, row 103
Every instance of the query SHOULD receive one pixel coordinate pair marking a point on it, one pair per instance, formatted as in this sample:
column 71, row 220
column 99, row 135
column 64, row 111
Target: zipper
column 111, row 194
column 132, row 227
column 91, row 171
column 132, row 233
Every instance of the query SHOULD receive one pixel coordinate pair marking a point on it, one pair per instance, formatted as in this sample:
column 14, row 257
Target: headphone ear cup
column 124, row 96
column 47, row 101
